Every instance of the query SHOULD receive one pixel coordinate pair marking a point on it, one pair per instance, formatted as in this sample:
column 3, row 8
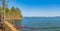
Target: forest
column 11, row 11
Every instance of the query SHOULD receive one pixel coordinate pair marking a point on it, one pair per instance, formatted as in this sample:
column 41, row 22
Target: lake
column 41, row 23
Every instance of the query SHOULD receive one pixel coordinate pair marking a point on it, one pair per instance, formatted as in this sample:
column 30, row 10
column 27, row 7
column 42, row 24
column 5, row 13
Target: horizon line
column 41, row 16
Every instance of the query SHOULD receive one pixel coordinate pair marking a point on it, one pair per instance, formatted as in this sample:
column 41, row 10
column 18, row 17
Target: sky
column 37, row 8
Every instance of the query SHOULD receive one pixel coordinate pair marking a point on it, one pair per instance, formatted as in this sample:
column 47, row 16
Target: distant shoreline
column 51, row 17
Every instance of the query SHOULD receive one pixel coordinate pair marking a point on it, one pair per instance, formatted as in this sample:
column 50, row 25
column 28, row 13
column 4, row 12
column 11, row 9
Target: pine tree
column 7, row 10
column 0, row 8
column 18, row 10
column 12, row 9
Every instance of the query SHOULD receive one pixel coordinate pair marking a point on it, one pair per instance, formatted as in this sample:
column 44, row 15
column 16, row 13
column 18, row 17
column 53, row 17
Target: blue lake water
column 42, row 23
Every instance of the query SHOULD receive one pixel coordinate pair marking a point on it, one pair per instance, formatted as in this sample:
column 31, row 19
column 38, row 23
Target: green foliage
column 1, row 11
column 0, row 8
column 15, row 11
column 18, row 10
column 7, row 10
column 12, row 9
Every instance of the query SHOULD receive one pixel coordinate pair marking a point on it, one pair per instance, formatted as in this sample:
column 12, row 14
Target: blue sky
column 37, row 8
